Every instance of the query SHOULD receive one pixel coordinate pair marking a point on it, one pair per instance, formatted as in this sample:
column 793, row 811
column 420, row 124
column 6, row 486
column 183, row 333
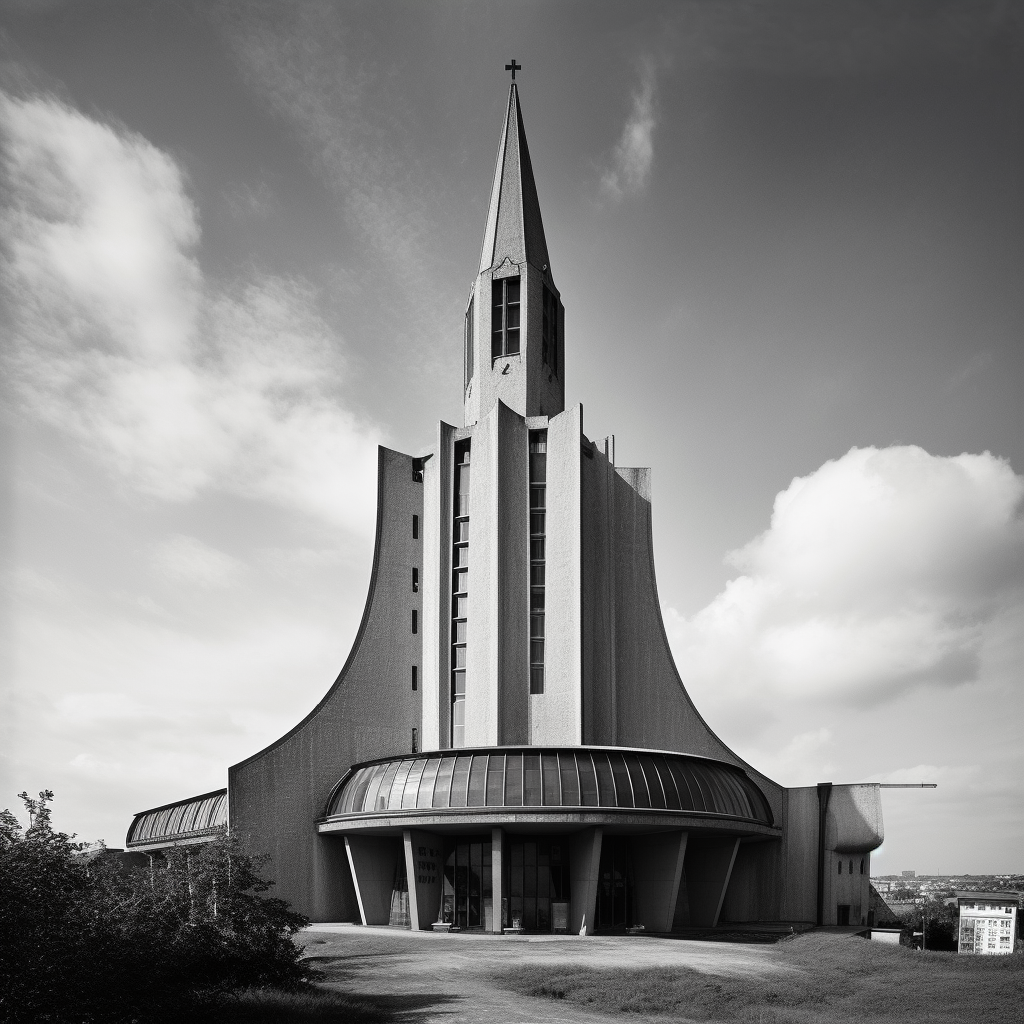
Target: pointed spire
column 514, row 226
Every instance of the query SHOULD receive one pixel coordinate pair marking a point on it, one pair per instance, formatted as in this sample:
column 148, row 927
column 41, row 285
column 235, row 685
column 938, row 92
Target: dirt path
column 428, row 979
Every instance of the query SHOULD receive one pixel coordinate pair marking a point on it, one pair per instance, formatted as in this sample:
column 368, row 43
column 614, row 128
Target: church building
column 509, row 745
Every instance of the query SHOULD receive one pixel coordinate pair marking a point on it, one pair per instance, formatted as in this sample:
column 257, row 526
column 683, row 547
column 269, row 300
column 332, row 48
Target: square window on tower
column 505, row 317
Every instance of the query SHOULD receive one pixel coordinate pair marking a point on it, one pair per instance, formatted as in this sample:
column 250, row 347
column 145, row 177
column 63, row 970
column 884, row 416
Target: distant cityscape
column 908, row 887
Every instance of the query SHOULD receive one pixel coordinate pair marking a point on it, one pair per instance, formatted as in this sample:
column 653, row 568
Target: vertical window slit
column 460, row 593
column 549, row 332
column 469, row 360
column 538, row 555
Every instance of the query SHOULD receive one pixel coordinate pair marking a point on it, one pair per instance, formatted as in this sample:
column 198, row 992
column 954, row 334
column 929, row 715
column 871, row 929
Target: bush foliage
column 93, row 941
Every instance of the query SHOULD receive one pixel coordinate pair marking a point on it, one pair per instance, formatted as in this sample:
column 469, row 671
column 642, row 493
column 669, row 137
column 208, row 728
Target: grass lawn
column 823, row 978
column 272, row 1006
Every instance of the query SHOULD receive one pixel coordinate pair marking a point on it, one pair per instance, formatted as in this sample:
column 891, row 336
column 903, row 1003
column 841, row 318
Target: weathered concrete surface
column 442, row 978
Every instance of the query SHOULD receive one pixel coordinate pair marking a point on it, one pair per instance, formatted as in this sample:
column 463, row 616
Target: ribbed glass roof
column 577, row 777
column 186, row 819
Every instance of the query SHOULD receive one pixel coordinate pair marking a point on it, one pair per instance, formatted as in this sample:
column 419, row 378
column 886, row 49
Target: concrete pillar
column 657, row 869
column 708, row 869
column 584, row 878
column 424, row 868
column 372, row 860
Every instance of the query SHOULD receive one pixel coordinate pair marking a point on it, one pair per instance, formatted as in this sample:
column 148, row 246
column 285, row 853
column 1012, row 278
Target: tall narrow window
column 549, row 332
column 538, row 540
column 415, row 580
column 505, row 317
column 460, row 592
column 415, row 621
column 469, row 345
column 415, row 527
column 415, row 677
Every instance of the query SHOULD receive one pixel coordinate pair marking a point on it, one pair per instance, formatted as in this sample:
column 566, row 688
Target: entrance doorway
column 843, row 914
column 466, row 901
column 615, row 893
column 537, row 885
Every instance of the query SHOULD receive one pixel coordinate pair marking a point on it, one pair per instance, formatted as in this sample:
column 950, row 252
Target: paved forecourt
column 436, row 977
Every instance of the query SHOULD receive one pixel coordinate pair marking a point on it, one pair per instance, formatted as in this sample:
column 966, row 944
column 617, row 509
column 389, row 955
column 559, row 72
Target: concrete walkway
column 428, row 978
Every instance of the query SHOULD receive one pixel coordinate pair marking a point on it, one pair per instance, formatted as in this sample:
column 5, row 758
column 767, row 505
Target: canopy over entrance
column 516, row 779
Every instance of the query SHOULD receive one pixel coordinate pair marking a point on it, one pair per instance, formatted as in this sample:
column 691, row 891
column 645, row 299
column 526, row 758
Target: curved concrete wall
column 277, row 795
column 633, row 694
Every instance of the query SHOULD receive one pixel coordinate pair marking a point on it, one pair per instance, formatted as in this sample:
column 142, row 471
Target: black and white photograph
column 512, row 510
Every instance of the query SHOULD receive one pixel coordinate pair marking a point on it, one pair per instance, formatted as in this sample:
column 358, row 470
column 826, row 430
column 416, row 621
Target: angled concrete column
column 373, row 860
column 497, row 878
column 657, row 869
column 334, row 896
column 708, row 869
column 424, row 867
column 584, row 878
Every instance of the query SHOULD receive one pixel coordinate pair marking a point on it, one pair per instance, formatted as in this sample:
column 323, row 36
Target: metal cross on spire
column 513, row 67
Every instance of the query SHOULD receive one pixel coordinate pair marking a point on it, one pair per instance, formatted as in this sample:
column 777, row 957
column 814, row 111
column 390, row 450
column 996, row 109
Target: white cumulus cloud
column 634, row 154
column 883, row 570
column 183, row 559
column 176, row 384
column 875, row 631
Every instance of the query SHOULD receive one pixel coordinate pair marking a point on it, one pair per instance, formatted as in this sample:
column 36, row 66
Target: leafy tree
column 903, row 894
column 941, row 923
column 93, row 941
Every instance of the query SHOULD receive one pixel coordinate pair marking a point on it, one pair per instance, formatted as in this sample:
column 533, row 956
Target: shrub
column 98, row 942
column 941, row 924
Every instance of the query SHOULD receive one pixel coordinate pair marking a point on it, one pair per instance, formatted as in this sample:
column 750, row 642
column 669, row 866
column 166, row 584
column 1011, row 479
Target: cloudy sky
column 235, row 246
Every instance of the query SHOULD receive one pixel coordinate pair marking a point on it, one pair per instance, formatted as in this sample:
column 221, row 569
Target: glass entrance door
column 538, row 885
column 466, row 901
column 615, row 899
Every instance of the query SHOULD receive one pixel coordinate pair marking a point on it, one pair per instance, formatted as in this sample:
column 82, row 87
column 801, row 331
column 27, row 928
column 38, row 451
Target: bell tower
column 514, row 329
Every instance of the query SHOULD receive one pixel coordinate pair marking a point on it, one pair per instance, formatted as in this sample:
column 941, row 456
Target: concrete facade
column 517, row 621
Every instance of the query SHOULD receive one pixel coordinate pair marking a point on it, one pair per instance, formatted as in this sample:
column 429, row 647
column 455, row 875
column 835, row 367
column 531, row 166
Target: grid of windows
column 549, row 333
column 460, row 592
column 538, row 540
column 505, row 317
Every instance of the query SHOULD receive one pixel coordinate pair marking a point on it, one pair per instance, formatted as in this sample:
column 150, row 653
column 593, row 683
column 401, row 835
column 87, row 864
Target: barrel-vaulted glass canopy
column 541, row 778
column 192, row 819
